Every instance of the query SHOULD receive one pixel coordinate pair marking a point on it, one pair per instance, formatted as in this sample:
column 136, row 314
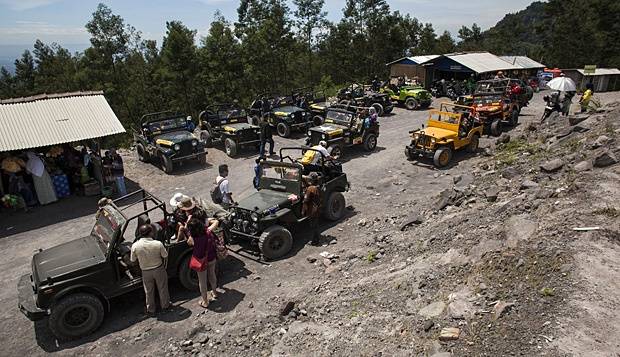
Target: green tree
column 445, row 43
column 7, row 88
column 427, row 44
column 25, row 74
column 310, row 18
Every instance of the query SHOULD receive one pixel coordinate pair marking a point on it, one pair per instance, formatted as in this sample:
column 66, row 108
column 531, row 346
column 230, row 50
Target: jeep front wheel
column 411, row 104
column 166, row 163
column 334, row 207
column 76, row 316
column 142, row 154
column 496, row 127
column 187, row 277
column 379, row 108
column 514, row 117
column 442, row 156
column 317, row 120
column 284, row 130
column 231, row 147
column 275, row 242
column 370, row 142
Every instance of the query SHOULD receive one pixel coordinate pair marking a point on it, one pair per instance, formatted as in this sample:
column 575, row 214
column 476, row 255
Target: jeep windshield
column 487, row 99
column 108, row 221
column 231, row 113
column 280, row 172
column 170, row 124
column 333, row 116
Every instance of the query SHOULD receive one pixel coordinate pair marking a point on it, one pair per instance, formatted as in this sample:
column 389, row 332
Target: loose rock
column 527, row 184
column 583, row 166
column 449, row 334
column 552, row 166
column 605, row 158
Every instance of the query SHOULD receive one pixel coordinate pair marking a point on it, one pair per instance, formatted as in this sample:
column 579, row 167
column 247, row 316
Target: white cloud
column 20, row 5
column 29, row 31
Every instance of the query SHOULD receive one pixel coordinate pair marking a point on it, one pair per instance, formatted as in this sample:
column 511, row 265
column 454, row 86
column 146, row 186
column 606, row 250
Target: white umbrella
column 563, row 84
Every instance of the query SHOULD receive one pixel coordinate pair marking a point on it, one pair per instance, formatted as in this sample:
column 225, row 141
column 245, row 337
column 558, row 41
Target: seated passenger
column 311, row 158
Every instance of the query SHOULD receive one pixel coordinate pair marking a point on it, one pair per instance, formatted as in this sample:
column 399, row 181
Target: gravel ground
column 345, row 305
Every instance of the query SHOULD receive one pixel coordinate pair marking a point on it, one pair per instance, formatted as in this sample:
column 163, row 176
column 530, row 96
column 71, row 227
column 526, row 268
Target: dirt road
column 245, row 320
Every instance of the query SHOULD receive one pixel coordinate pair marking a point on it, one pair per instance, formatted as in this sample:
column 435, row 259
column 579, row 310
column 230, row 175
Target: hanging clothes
column 41, row 178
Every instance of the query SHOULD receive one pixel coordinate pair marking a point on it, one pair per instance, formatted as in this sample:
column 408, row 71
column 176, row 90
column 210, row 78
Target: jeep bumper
column 26, row 300
column 412, row 151
column 189, row 157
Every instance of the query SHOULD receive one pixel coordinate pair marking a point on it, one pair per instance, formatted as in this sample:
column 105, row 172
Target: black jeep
column 265, row 218
column 228, row 123
column 344, row 127
column 72, row 283
column 283, row 114
column 313, row 100
column 363, row 96
column 166, row 137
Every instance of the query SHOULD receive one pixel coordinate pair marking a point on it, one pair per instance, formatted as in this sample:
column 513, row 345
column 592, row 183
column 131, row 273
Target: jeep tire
column 75, row 316
column 379, row 108
column 335, row 151
column 142, row 154
column 442, row 156
column 411, row 103
column 317, row 120
column 334, row 206
column 187, row 277
column 275, row 242
column 206, row 138
column 254, row 120
column 283, row 129
column 231, row 147
column 370, row 142
column 472, row 147
column 514, row 117
column 496, row 127
column 166, row 163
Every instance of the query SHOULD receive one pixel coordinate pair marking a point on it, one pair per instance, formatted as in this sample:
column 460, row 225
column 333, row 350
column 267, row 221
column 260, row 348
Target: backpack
column 216, row 193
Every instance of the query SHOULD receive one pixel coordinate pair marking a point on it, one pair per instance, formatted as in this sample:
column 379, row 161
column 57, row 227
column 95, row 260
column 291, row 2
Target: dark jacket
column 265, row 131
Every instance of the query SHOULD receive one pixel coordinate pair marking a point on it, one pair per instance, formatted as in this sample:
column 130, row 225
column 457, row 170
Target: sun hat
column 186, row 203
column 176, row 198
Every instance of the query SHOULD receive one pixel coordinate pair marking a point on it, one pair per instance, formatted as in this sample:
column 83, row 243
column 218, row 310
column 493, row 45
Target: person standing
column 586, row 97
column 311, row 206
column 204, row 253
column 224, row 186
column 42, row 181
column 566, row 102
column 151, row 255
column 266, row 136
column 118, row 172
column 257, row 173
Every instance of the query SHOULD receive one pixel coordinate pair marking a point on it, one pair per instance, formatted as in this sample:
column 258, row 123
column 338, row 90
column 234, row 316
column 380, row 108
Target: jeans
column 261, row 151
column 120, row 185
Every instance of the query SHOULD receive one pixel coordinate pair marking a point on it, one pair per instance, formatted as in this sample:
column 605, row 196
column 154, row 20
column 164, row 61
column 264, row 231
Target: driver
column 311, row 158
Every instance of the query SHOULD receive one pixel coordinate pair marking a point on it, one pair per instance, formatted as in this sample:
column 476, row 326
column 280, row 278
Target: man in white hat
column 311, row 158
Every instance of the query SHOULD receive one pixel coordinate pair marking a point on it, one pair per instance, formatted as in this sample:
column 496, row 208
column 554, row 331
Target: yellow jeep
column 450, row 128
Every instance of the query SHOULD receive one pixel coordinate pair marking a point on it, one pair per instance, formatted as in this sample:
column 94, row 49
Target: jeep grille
column 424, row 141
column 186, row 148
column 242, row 222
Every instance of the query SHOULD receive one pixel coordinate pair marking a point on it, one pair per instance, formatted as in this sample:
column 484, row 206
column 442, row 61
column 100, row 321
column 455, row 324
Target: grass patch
column 547, row 292
column 509, row 153
column 371, row 256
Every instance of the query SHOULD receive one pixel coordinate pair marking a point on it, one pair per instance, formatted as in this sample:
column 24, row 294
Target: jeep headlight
column 433, row 140
column 254, row 217
column 309, row 133
column 194, row 142
column 415, row 136
column 233, row 213
column 177, row 147
column 324, row 136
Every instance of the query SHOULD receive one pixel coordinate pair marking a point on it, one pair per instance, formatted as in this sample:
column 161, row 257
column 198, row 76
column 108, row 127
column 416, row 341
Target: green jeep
column 228, row 123
column 344, row 127
column 313, row 100
column 266, row 218
column 411, row 97
column 165, row 137
column 282, row 112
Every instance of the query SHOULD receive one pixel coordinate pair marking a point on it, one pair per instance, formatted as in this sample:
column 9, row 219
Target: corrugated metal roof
column 481, row 62
column 416, row 59
column 55, row 119
column 523, row 62
column 602, row 72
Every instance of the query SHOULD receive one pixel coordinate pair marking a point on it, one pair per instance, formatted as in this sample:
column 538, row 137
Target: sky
column 62, row 21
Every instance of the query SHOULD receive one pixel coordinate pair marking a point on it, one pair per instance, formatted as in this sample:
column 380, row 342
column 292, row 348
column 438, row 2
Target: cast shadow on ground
column 189, row 167
column 65, row 209
column 357, row 151
column 127, row 310
column 457, row 157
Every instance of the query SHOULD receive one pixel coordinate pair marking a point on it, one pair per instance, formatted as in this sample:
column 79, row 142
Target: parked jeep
column 165, row 138
column 228, row 123
column 495, row 105
column 411, row 97
column 72, row 283
column 313, row 100
column 266, row 218
column 344, row 127
column 450, row 128
column 284, row 115
column 363, row 96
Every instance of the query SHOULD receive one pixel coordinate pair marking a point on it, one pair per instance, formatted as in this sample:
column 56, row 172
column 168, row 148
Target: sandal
column 203, row 305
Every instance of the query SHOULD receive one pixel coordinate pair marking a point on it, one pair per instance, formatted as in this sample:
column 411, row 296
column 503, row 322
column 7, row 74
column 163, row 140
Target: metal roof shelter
column 601, row 72
column 523, row 62
column 53, row 119
column 476, row 62
column 413, row 60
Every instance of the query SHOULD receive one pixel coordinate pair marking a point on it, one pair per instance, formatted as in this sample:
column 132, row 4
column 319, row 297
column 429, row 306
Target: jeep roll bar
column 303, row 150
column 146, row 197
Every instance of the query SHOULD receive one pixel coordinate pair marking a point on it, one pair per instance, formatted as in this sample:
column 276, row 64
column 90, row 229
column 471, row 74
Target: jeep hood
column 67, row 258
column 329, row 128
column 239, row 126
column 263, row 199
column 488, row 108
column 286, row 110
column 439, row 133
column 174, row 137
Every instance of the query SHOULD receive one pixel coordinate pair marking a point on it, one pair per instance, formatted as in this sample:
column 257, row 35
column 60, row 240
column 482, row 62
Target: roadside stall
column 50, row 147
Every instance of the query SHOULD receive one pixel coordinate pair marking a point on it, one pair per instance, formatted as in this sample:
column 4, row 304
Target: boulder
column 442, row 200
column 414, row 218
column 510, row 173
column 600, row 141
column 449, row 334
column 527, row 184
column 503, row 139
column 552, row 165
column 583, row 166
column 432, row 310
column 577, row 118
column 492, row 193
column 464, row 180
column 605, row 158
